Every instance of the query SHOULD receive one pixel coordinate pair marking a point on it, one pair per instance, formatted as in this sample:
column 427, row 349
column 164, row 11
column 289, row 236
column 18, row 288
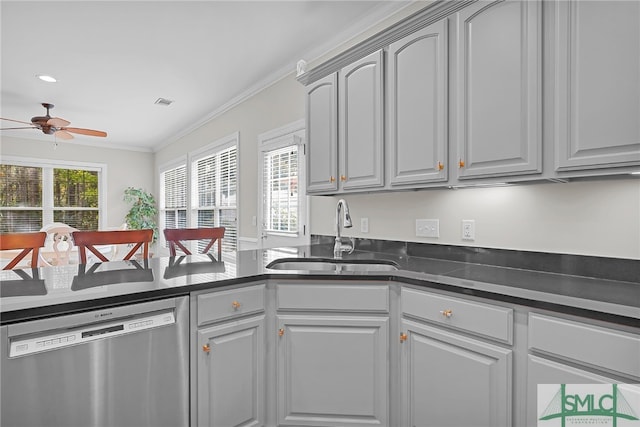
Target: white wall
column 600, row 218
column 124, row 168
column 277, row 105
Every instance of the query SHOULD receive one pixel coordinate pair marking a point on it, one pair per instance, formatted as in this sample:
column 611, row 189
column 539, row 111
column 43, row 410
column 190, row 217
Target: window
column 173, row 200
column 214, row 185
column 202, row 192
column 280, row 183
column 282, row 202
column 33, row 194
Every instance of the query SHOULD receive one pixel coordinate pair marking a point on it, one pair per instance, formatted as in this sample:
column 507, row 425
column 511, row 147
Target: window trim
column 165, row 167
column 221, row 144
column 290, row 134
column 47, row 199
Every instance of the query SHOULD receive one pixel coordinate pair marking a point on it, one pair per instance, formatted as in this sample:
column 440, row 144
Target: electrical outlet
column 468, row 229
column 427, row 228
column 364, row 225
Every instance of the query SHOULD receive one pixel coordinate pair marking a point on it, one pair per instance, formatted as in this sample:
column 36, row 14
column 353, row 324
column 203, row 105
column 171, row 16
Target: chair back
column 28, row 242
column 87, row 240
column 175, row 237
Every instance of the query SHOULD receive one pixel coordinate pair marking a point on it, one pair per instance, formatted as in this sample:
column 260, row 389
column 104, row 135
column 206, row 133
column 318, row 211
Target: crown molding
column 420, row 19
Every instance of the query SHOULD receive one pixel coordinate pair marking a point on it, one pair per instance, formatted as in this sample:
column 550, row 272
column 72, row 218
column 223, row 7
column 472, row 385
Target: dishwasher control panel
column 29, row 344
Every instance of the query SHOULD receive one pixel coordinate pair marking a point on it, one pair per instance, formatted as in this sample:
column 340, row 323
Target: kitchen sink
column 328, row 264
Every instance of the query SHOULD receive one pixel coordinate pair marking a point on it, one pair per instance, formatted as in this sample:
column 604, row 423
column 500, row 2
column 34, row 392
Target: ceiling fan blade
column 63, row 134
column 26, row 127
column 17, row 121
column 89, row 132
column 57, row 122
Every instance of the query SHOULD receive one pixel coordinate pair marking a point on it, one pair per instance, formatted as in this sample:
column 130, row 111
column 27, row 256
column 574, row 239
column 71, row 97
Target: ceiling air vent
column 163, row 101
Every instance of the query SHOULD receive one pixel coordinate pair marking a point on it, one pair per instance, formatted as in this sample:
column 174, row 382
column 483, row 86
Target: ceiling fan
column 54, row 126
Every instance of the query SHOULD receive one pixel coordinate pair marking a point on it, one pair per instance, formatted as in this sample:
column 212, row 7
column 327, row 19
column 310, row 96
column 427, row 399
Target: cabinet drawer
column 225, row 304
column 474, row 317
column 332, row 297
column 611, row 350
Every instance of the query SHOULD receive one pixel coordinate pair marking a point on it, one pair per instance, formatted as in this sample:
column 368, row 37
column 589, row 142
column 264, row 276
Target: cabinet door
column 231, row 374
column 451, row 380
column 597, row 92
column 361, row 123
column 332, row 371
column 498, row 99
column 417, row 102
column 543, row 371
column 322, row 135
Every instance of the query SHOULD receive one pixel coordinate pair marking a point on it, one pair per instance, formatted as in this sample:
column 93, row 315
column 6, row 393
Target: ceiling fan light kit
column 54, row 125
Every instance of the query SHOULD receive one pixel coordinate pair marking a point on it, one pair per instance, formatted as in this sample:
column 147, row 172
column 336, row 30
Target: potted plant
column 143, row 211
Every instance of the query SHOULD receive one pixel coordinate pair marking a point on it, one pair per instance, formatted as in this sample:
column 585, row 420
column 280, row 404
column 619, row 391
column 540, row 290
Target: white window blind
column 32, row 195
column 280, row 186
column 215, row 183
column 174, row 202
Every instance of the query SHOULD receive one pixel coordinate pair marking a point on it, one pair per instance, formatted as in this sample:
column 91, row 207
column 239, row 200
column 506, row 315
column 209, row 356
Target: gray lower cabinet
column 498, row 103
column 568, row 351
column 229, row 357
column 332, row 354
column 451, row 372
column 597, row 99
column 231, row 374
column 332, row 370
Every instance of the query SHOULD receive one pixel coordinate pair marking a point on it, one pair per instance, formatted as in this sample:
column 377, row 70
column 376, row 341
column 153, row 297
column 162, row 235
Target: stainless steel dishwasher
column 125, row 366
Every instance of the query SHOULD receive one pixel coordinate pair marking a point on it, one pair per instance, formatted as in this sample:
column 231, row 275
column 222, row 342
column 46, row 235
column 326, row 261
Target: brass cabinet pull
column 446, row 313
column 461, row 163
column 206, row 348
column 235, row 305
column 440, row 166
column 332, row 179
column 403, row 337
column 280, row 332
column 343, row 178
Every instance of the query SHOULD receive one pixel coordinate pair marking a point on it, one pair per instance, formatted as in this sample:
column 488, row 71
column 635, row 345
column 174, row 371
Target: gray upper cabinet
column 361, row 153
column 597, row 88
column 498, row 89
column 322, row 135
column 417, row 106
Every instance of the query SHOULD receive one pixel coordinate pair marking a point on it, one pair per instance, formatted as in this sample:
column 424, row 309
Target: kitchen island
column 329, row 348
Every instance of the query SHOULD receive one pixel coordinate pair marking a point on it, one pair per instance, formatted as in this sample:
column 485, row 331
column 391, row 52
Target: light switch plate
column 364, row 225
column 427, row 228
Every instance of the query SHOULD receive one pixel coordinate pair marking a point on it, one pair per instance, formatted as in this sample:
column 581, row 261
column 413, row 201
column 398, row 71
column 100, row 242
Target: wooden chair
column 89, row 239
column 175, row 236
column 28, row 242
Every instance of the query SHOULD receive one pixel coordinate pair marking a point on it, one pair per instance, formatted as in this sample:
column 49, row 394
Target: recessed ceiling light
column 46, row 78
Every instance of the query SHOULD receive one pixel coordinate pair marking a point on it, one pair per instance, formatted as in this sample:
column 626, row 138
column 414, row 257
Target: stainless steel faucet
column 340, row 247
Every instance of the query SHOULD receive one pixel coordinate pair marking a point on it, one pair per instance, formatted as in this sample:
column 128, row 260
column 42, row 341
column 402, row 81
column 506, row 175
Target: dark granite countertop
column 50, row 291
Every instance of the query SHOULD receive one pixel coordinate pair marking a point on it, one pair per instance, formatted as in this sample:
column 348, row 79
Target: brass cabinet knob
column 206, row 348
column 447, row 313
column 280, row 332
column 235, row 305
column 461, row 163
column 332, row 179
column 343, row 178
column 440, row 166
column 403, row 337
